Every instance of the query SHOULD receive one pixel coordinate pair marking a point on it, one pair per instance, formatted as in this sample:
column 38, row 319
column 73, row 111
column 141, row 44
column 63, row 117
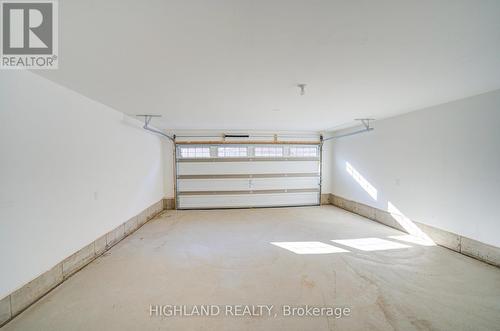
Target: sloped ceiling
column 235, row 64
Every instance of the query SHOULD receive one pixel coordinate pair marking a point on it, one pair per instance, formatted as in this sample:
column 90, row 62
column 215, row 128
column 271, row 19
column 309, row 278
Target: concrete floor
column 225, row 257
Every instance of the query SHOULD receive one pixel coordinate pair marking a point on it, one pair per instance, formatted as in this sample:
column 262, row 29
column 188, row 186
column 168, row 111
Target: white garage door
column 247, row 175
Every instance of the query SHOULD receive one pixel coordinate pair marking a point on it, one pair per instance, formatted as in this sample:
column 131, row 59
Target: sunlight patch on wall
column 408, row 225
column 369, row 188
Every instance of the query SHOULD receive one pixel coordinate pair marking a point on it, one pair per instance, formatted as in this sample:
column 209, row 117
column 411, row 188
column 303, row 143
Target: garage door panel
column 263, row 167
column 212, row 184
column 285, row 183
column 246, row 184
column 248, row 200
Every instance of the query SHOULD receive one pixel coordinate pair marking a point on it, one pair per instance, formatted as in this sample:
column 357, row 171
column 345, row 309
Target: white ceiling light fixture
column 302, row 88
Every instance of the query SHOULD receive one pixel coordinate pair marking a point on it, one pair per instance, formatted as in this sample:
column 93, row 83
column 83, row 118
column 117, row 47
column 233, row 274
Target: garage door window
column 195, row 152
column 303, row 151
column 232, row 151
column 269, row 151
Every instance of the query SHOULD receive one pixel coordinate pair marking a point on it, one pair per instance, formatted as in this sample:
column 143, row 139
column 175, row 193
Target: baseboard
column 463, row 245
column 168, row 203
column 325, row 199
column 19, row 300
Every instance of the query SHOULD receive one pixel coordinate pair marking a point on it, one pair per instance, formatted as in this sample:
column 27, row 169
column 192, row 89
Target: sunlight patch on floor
column 309, row 247
column 370, row 244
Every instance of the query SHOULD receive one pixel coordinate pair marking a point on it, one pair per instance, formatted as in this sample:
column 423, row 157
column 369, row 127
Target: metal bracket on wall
column 147, row 120
column 364, row 121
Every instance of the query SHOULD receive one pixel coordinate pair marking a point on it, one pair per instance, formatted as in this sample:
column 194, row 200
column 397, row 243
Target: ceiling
column 235, row 64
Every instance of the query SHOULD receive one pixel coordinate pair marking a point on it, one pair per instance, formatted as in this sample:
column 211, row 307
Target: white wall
column 439, row 166
column 71, row 169
column 168, row 168
column 326, row 168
